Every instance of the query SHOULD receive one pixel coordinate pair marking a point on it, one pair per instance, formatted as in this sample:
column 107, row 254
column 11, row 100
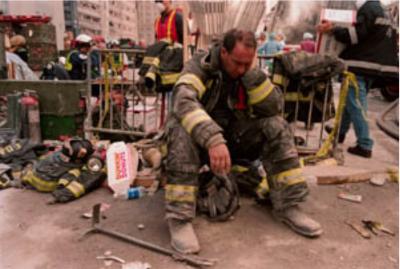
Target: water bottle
column 132, row 193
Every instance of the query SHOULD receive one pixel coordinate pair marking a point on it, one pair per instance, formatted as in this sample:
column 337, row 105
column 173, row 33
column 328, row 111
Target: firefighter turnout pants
column 268, row 139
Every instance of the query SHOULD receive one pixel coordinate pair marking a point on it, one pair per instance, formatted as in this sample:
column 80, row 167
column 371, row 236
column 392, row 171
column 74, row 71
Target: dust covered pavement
column 39, row 236
column 36, row 235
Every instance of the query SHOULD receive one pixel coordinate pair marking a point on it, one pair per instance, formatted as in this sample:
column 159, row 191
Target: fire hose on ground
column 390, row 126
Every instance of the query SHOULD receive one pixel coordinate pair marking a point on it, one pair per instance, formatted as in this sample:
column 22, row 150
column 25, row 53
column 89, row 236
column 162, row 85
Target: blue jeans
column 355, row 112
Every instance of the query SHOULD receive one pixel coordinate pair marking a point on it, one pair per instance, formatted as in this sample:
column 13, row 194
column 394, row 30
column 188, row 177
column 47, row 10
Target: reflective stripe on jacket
column 166, row 30
column 372, row 48
column 68, row 63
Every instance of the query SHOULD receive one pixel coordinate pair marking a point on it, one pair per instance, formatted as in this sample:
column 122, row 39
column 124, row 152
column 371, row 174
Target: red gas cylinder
column 30, row 104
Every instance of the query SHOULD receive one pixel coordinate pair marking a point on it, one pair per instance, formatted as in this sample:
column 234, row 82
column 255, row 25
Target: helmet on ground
column 218, row 196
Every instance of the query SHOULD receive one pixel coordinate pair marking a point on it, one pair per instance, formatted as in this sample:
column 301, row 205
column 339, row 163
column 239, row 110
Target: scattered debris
column 327, row 162
column 153, row 188
column 145, row 177
column 103, row 208
column 136, row 265
column 378, row 180
column 141, row 226
column 153, row 157
column 393, row 174
column 190, row 259
column 393, row 260
column 311, row 179
column 339, row 179
column 359, row 229
column 356, row 198
column 23, row 226
column 109, row 259
column 375, row 226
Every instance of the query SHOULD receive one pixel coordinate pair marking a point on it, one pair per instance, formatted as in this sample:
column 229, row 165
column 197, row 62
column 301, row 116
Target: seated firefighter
column 225, row 111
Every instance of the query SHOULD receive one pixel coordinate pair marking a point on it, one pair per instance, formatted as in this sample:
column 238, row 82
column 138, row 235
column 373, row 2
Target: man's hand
column 325, row 27
column 220, row 159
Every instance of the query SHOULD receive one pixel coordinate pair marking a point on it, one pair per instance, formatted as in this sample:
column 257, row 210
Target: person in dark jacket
column 222, row 111
column 76, row 62
column 371, row 52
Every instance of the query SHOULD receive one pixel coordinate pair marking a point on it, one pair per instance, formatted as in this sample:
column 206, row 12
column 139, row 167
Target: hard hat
column 62, row 60
column 17, row 40
column 114, row 42
column 307, row 35
column 83, row 38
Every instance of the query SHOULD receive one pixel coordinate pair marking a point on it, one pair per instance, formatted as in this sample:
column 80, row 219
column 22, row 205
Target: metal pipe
column 105, row 130
column 327, row 87
column 310, row 110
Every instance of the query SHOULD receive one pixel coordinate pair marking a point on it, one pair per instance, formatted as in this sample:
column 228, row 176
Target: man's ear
column 224, row 52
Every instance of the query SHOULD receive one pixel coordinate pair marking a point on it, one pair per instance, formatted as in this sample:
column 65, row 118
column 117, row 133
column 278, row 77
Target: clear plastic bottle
column 132, row 193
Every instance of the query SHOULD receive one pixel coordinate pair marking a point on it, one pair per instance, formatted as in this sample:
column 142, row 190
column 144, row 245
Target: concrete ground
column 40, row 236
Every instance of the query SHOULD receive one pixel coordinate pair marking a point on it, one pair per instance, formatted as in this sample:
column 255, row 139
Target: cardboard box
column 143, row 118
column 326, row 43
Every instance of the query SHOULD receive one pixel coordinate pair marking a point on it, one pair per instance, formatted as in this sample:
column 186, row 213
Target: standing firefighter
column 76, row 62
column 224, row 111
column 371, row 52
column 169, row 25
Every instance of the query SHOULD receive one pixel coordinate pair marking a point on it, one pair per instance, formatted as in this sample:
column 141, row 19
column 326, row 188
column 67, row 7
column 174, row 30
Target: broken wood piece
column 340, row 179
column 359, row 229
column 327, row 162
column 356, row 198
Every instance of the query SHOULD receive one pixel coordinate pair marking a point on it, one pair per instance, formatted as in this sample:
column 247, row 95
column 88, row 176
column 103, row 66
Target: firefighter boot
column 299, row 221
column 183, row 237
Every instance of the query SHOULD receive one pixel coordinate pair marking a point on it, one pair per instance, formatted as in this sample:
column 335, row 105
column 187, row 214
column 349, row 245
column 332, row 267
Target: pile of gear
column 305, row 78
column 67, row 173
column 161, row 66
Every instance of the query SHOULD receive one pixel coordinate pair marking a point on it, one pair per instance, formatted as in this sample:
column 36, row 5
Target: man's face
column 239, row 61
column 167, row 4
column 84, row 49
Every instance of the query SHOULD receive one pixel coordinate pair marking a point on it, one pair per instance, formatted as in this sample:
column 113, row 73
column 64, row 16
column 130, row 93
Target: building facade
column 90, row 14
column 122, row 20
column 110, row 19
column 146, row 14
column 53, row 9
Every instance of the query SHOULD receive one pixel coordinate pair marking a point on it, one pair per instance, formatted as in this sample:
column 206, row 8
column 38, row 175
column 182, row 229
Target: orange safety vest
column 166, row 30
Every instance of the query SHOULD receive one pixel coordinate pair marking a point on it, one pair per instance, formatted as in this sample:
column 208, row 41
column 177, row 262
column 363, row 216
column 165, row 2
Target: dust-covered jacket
column 372, row 48
column 197, row 91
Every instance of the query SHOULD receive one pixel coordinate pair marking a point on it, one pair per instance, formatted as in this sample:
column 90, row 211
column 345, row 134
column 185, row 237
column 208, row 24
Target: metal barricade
column 116, row 101
column 308, row 132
